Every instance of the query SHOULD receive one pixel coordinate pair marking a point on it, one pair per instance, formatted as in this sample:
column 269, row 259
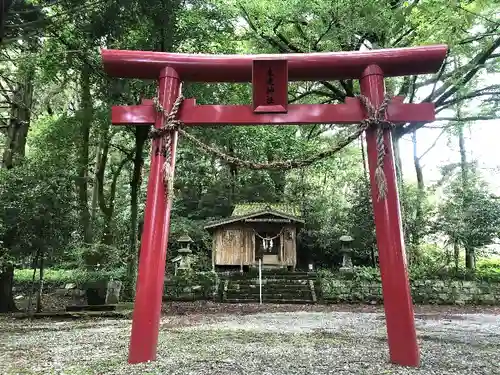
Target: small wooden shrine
column 256, row 231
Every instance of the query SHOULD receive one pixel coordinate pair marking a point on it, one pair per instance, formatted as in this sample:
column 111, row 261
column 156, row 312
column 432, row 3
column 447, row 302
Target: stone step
column 250, row 289
column 267, row 291
column 267, row 297
column 75, row 308
column 276, row 301
column 290, row 276
column 270, row 281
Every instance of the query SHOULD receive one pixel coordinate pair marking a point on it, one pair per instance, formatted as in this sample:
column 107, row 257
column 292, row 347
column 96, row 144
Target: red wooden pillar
column 402, row 338
column 151, row 273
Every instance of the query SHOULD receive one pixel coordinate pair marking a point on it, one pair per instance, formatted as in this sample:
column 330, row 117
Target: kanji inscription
column 270, row 86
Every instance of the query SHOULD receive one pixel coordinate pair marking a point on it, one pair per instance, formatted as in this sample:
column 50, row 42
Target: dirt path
column 201, row 307
column 249, row 342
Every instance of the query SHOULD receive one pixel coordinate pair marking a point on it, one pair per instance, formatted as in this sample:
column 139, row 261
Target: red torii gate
column 269, row 75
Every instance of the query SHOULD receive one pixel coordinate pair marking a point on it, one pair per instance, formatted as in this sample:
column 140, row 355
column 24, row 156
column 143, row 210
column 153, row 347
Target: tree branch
column 128, row 153
column 475, row 64
column 470, row 118
column 472, row 95
column 477, row 37
column 478, row 15
column 413, row 89
column 450, row 88
column 320, row 38
column 402, row 36
column 433, row 144
column 114, row 180
column 285, row 46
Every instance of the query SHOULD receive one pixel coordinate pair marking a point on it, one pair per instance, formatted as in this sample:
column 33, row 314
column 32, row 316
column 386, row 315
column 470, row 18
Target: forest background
column 72, row 187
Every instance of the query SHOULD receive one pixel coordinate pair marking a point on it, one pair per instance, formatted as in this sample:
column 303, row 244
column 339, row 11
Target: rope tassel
column 376, row 117
column 380, row 178
column 171, row 124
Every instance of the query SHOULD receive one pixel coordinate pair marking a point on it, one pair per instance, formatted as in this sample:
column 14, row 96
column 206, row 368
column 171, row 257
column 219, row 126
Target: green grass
column 49, row 275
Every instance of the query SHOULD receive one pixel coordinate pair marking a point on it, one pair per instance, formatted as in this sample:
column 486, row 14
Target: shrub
column 77, row 276
column 184, row 282
column 488, row 271
column 369, row 274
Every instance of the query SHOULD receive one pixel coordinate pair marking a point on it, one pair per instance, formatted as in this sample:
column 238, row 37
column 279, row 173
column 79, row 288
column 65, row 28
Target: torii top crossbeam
column 301, row 67
column 286, row 67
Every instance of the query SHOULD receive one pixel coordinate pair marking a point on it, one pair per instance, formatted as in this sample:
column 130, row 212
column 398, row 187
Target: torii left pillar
column 150, row 279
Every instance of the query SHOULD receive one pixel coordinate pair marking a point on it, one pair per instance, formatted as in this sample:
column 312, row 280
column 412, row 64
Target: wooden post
column 402, row 338
column 151, row 274
column 260, row 281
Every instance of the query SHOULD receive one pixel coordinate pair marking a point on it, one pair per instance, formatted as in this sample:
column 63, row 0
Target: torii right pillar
column 398, row 305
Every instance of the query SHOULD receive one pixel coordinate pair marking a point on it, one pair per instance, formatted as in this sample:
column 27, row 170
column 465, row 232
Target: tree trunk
column 372, row 256
column 470, row 258
column 6, row 297
column 416, row 161
column 141, row 134
column 233, row 172
column 95, row 186
column 417, row 227
column 6, row 4
column 363, row 158
column 469, row 251
column 40, row 285
column 14, row 151
column 463, row 159
column 109, row 240
column 107, row 209
column 397, row 160
column 456, row 255
column 32, row 291
column 399, row 180
column 86, row 116
column 19, row 123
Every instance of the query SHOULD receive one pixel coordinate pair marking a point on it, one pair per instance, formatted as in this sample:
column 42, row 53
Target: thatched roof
column 251, row 210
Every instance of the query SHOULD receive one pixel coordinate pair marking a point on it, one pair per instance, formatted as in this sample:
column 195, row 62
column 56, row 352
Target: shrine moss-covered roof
column 250, row 210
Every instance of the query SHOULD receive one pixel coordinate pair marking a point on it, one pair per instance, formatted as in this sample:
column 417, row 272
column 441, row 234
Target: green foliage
column 190, row 281
column 361, row 222
column 420, row 272
column 98, row 256
column 368, row 274
column 433, row 264
column 61, row 276
column 35, row 210
column 39, row 208
column 470, row 216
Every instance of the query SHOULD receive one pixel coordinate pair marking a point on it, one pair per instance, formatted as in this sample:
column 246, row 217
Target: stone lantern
column 183, row 260
column 346, row 250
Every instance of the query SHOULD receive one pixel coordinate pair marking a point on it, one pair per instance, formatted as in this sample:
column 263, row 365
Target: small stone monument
column 346, row 253
column 113, row 292
column 183, row 260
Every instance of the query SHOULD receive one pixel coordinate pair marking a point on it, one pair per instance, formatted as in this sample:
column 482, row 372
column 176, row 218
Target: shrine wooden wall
column 234, row 245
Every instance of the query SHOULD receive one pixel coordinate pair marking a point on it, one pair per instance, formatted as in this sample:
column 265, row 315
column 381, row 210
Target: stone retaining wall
column 425, row 292
column 331, row 290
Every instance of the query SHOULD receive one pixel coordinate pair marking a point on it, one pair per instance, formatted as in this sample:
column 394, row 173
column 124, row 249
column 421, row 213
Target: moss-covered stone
column 423, row 291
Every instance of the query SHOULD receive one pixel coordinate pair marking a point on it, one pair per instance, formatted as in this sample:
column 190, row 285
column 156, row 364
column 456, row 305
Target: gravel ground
column 277, row 343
